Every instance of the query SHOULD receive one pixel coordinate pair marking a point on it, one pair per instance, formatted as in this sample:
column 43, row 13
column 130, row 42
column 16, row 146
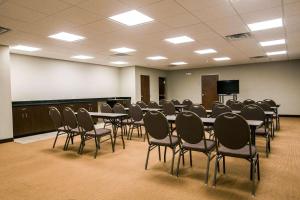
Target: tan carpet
column 36, row 171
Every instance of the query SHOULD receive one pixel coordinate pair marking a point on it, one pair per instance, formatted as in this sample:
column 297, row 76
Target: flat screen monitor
column 228, row 87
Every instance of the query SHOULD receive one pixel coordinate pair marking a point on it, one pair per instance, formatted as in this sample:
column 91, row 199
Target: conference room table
column 114, row 118
column 147, row 109
column 267, row 113
column 253, row 124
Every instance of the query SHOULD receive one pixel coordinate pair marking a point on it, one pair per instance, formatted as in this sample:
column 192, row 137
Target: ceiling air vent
column 238, row 36
column 3, row 30
column 120, row 54
column 258, row 57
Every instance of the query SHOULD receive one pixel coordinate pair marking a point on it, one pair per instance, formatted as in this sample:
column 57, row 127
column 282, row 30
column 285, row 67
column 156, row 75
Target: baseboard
column 6, row 140
column 289, row 115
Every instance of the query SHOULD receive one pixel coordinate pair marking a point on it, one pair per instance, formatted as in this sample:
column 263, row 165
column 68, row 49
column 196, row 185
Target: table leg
column 253, row 138
column 122, row 133
column 114, row 131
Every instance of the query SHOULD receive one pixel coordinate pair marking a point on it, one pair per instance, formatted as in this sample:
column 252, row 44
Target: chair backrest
column 156, row 125
column 70, row 118
column 270, row 102
column 85, row 120
column 253, row 112
column 236, row 105
column 169, row 108
column 198, row 110
column 153, row 104
column 175, row 102
column 105, row 108
column 188, row 103
column 265, row 106
column 229, row 102
column 216, row 103
column 248, row 102
column 119, row 108
column 232, row 131
column 141, row 104
column 136, row 112
column 55, row 117
column 189, row 127
column 162, row 102
column 219, row 109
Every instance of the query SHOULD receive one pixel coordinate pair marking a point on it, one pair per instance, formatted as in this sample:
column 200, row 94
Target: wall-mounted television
column 228, row 87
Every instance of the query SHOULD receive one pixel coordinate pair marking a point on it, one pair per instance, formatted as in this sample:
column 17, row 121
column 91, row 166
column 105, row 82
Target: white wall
column 6, row 129
column 127, row 82
column 154, row 74
column 34, row 78
column 276, row 80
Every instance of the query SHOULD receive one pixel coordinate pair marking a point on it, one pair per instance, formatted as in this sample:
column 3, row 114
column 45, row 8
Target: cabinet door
column 22, row 123
column 41, row 120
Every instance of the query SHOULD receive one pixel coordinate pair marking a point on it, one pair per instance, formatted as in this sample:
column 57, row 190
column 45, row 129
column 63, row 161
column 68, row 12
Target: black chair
column 159, row 134
column 169, row 108
column 272, row 103
column 199, row 110
column 266, row 107
column 153, row 104
column 57, row 122
column 136, row 115
column 88, row 131
column 71, row 125
column 215, row 103
column 175, row 102
column 162, row 102
column 141, row 104
column 188, row 103
column 229, row 102
column 191, row 135
column 119, row 108
column 219, row 109
column 232, row 133
column 105, row 108
column 236, row 105
column 248, row 102
column 254, row 112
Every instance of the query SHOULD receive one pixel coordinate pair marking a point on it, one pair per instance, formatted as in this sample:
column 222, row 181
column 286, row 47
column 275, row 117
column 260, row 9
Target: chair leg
column 267, row 146
column 112, row 143
column 253, row 178
column 207, row 169
column 216, row 171
column 165, row 154
column 146, row 165
column 66, row 142
column 191, row 162
column 57, row 134
column 257, row 163
column 96, row 144
column 178, row 163
column 224, row 169
column 173, row 157
column 159, row 156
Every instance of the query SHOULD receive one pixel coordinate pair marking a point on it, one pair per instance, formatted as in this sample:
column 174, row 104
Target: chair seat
column 261, row 131
column 165, row 141
column 210, row 144
column 239, row 153
column 139, row 122
column 62, row 129
column 75, row 130
column 99, row 132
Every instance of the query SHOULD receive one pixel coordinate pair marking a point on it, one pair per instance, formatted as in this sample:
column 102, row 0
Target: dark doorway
column 162, row 88
column 145, row 89
column 209, row 90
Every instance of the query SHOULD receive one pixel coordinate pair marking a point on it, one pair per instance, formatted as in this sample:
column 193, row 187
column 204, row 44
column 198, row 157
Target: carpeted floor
column 35, row 171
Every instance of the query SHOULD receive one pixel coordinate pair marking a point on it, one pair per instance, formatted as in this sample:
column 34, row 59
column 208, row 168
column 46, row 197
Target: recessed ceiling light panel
column 25, row 48
column 82, row 57
column 222, row 59
column 123, row 50
column 68, row 37
column 205, row 51
column 274, row 23
column 274, row 53
column 119, row 62
column 180, row 39
column 272, row 43
column 157, row 58
column 179, row 63
column 131, row 18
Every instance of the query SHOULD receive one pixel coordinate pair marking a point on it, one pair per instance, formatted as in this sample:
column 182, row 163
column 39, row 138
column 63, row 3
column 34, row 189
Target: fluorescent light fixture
column 222, row 58
column 66, row 37
column 274, row 23
column 179, row 63
column 119, row 62
column 82, row 57
column 25, row 48
column 180, row 39
column 131, row 18
column 123, row 50
column 274, row 53
column 272, row 42
column 157, row 58
column 205, row 51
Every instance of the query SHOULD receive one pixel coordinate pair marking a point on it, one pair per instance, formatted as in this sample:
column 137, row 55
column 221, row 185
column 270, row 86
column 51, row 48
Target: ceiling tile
column 246, row 6
column 180, row 20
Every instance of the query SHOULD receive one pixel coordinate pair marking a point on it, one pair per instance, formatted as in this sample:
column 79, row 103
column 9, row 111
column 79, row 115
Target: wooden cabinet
column 34, row 119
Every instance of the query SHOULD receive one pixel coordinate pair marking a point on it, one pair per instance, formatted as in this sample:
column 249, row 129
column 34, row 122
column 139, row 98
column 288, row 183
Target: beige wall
column 35, row 78
column 6, row 129
column 127, row 82
column 276, row 80
column 154, row 74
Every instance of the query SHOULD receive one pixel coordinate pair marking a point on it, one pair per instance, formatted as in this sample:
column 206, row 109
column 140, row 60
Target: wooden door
column 145, row 89
column 162, row 88
column 209, row 90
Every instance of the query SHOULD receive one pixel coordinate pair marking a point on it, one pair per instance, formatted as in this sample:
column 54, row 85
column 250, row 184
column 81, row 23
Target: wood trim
column 6, row 140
